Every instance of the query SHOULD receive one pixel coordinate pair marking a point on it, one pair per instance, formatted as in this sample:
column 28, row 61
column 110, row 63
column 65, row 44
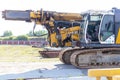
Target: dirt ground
column 42, row 71
column 25, row 63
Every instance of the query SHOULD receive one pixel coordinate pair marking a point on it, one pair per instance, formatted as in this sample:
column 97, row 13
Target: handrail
column 110, row 74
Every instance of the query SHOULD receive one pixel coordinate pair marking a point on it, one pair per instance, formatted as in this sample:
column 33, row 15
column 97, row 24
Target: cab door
column 106, row 31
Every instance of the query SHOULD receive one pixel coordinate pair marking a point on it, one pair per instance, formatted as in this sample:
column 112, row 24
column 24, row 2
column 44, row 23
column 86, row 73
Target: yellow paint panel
column 53, row 38
column 64, row 33
column 118, row 37
column 103, row 72
column 110, row 74
column 117, row 77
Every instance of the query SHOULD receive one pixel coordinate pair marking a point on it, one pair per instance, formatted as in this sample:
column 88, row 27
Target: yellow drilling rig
column 97, row 36
column 63, row 28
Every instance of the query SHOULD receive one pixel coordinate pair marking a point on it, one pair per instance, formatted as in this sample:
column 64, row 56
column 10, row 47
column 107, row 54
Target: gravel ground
column 41, row 70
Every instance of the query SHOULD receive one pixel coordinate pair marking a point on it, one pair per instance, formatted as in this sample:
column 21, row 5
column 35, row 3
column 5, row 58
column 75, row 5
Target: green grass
column 19, row 53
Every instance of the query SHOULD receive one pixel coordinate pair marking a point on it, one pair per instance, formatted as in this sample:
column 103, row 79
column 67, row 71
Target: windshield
column 95, row 17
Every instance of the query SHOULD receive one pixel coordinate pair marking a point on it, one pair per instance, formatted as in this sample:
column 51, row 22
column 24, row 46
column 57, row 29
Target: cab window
column 106, row 27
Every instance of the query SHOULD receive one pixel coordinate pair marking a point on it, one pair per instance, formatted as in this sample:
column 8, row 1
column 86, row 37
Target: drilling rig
column 63, row 28
column 99, row 41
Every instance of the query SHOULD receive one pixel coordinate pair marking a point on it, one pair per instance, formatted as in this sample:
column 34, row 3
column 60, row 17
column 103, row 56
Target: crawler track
column 65, row 54
column 96, row 58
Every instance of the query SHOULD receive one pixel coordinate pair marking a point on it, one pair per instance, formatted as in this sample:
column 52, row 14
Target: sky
column 74, row 6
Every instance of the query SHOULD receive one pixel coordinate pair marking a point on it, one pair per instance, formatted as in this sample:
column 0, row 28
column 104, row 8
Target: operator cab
column 99, row 28
column 92, row 28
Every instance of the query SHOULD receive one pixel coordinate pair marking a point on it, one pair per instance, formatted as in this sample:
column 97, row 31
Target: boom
column 41, row 17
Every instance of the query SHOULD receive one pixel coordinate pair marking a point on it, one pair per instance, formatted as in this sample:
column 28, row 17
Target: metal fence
column 22, row 42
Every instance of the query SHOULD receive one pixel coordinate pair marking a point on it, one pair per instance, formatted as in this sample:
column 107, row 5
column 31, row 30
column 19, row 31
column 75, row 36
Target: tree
column 30, row 33
column 8, row 38
column 38, row 33
column 21, row 37
column 7, row 33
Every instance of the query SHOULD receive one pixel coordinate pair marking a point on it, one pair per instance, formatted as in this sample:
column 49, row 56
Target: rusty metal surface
column 49, row 54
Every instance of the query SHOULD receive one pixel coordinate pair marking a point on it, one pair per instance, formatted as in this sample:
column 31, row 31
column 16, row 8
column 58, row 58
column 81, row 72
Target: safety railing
column 110, row 74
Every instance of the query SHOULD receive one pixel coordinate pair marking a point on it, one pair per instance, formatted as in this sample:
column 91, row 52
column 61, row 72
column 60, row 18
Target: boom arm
column 40, row 17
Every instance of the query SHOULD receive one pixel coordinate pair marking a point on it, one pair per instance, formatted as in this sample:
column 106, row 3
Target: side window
column 106, row 27
column 109, row 26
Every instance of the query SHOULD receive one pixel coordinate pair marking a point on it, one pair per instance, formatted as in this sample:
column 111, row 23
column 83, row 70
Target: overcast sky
column 76, row 6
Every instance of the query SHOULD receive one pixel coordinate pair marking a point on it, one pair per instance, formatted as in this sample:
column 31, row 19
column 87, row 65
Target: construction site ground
column 25, row 63
column 45, row 70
